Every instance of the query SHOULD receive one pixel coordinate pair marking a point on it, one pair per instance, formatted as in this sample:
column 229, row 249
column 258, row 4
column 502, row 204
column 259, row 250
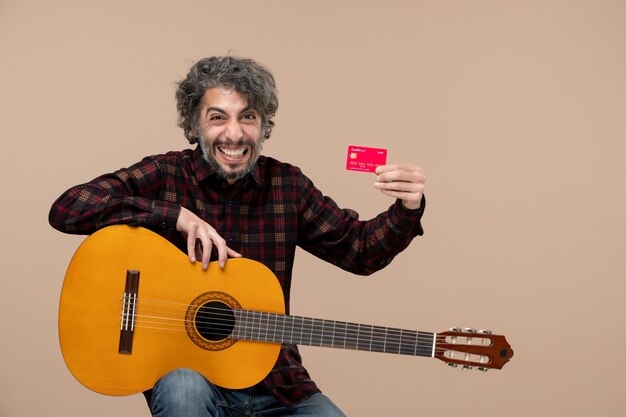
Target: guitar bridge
column 129, row 306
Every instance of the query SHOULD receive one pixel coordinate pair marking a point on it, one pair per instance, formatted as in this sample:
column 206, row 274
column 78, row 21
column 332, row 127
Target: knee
column 181, row 375
column 179, row 389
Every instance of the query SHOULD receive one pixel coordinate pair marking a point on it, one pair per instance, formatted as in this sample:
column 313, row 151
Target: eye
column 216, row 118
column 249, row 116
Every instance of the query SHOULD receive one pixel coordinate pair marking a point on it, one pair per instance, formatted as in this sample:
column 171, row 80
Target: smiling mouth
column 233, row 153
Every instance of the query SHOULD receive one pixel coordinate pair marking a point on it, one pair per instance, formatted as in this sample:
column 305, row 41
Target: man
column 223, row 199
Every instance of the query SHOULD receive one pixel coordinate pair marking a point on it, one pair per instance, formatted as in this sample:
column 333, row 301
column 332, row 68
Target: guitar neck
column 281, row 328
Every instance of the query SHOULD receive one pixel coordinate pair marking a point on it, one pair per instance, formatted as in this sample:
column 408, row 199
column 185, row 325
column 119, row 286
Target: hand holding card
column 405, row 182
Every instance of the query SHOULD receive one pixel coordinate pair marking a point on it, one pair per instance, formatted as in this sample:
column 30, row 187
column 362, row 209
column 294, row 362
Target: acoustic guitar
column 133, row 308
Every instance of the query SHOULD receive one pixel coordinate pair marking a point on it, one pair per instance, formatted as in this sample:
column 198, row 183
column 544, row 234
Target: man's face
column 230, row 133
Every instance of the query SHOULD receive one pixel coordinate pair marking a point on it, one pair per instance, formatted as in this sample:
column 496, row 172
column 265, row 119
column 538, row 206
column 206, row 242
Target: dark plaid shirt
column 263, row 216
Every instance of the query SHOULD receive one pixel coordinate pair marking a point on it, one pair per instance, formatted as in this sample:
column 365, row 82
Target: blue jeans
column 186, row 393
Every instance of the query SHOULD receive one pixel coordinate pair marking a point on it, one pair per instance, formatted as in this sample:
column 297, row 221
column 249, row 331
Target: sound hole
column 215, row 321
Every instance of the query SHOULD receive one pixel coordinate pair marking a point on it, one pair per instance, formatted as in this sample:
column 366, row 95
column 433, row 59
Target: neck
column 278, row 328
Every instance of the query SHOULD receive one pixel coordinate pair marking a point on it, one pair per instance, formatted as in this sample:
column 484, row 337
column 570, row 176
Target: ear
column 268, row 129
column 192, row 136
column 192, row 133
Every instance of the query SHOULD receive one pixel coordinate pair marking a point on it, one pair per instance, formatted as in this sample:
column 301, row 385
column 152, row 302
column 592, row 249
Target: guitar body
column 91, row 314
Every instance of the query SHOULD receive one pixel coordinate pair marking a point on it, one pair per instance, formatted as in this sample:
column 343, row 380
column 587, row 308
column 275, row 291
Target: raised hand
column 405, row 182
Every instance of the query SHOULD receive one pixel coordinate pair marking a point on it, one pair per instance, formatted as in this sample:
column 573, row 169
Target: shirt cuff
column 165, row 214
column 402, row 217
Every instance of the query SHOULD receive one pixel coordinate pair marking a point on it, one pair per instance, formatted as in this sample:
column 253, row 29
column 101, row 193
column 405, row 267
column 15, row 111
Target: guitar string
column 404, row 348
column 277, row 316
column 389, row 331
column 352, row 342
column 377, row 334
column 314, row 322
column 379, row 339
column 276, row 329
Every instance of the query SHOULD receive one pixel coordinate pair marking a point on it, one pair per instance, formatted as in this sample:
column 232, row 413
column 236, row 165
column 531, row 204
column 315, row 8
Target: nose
column 234, row 131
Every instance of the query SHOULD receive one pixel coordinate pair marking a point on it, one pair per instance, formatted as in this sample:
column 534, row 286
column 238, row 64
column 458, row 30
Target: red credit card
column 361, row 158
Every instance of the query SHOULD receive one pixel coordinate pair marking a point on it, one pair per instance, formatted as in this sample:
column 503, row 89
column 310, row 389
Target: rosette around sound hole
column 210, row 320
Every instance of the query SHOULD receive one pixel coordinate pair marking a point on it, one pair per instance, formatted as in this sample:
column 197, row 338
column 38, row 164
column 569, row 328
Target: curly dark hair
column 242, row 75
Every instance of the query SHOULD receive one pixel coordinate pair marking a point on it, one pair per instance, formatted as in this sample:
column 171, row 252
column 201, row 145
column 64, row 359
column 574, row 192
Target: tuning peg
column 471, row 330
column 456, row 329
column 486, row 331
column 453, row 365
column 468, row 367
column 482, row 369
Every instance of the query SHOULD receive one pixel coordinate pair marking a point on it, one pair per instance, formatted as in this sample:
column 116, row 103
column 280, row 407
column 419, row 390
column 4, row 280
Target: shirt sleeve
column 127, row 196
column 338, row 236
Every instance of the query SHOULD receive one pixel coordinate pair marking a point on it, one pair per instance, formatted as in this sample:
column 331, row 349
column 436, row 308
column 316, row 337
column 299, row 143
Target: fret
column 262, row 328
column 307, row 331
column 392, row 340
column 316, row 329
column 327, row 334
column 425, row 341
column 263, row 321
column 351, row 340
column 340, row 334
column 282, row 332
column 289, row 329
column 272, row 326
column 365, row 337
column 267, row 327
column 408, row 342
column 239, row 324
column 253, row 325
column 301, row 330
column 280, row 327
column 275, row 323
column 250, row 325
column 385, row 339
column 236, row 334
column 378, row 339
column 290, row 338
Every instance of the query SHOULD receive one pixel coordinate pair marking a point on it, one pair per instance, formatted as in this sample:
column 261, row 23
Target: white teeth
column 233, row 152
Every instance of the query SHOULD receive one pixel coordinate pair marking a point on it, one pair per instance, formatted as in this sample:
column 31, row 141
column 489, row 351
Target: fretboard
column 280, row 328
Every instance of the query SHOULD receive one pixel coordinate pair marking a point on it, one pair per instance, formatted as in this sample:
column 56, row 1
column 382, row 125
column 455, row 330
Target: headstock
column 473, row 349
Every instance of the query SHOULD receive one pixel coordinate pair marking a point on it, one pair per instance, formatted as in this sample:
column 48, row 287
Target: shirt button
column 230, row 203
